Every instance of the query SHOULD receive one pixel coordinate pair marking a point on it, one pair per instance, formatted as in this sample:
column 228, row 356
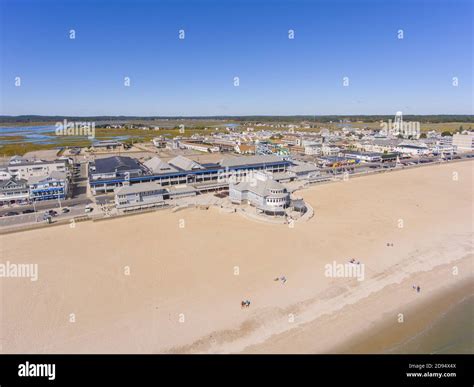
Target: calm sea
column 453, row 332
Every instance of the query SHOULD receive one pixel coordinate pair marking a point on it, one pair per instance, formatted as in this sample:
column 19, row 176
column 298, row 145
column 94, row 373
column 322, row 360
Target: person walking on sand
column 418, row 289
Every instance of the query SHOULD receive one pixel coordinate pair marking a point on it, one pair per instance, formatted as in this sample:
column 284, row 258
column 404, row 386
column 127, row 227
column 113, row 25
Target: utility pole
column 34, row 208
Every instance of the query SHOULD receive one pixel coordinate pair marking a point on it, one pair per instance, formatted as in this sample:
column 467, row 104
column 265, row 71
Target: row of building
column 23, row 181
column 261, row 191
column 107, row 174
column 255, row 180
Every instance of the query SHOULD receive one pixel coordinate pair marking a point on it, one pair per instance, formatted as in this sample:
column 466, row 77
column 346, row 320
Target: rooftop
column 235, row 161
column 116, row 163
column 156, row 165
column 55, row 175
column 185, row 164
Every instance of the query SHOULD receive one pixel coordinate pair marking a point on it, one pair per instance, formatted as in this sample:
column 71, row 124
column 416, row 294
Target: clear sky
column 238, row 38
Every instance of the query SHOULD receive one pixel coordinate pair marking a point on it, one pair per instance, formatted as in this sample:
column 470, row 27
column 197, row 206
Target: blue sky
column 227, row 39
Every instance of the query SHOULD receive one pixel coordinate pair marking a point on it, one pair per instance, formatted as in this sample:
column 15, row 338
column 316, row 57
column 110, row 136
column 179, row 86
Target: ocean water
column 452, row 332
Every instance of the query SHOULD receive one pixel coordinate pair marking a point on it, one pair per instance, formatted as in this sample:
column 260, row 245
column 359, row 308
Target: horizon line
column 229, row 115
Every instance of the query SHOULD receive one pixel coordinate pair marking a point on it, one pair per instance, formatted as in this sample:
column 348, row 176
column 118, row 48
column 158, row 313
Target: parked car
column 11, row 213
column 51, row 213
column 29, row 211
column 65, row 210
column 88, row 209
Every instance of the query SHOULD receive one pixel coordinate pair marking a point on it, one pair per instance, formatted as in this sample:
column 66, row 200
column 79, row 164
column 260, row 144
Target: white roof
column 156, row 165
column 55, row 175
column 185, row 164
column 236, row 161
column 260, row 187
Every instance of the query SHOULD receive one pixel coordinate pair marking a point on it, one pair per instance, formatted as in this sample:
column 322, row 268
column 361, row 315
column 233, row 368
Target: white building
column 53, row 186
column 262, row 192
column 369, row 157
column 413, row 149
column 200, row 147
column 463, row 142
column 330, row 150
column 14, row 191
column 24, row 169
column 159, row 142
column 148, row 195
column 314, row 149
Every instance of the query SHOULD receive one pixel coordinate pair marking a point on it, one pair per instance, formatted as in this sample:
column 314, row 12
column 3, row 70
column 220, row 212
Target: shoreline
column 383, row 331
column 388, row 337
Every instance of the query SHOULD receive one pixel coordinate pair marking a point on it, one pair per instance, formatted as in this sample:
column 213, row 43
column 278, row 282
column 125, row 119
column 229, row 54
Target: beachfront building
column 369, row 157
column 139, row 196
column 262, row 192
column 20, row 168
column 463, row 142
column 413, row 149
column 53, row 186
column 307, row 171
column 443, row 146
column 148, row 195
column 14, row 191
column 107, row 173
column 105, row 176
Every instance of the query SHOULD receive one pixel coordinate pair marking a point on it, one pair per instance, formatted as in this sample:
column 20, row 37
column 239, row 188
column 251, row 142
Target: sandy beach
column 173, row 282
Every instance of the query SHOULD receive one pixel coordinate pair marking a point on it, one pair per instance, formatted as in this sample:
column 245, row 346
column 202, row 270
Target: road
column 33, row 218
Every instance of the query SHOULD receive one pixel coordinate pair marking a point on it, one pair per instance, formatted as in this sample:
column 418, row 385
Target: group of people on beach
column 417, row 288
column 282, row 279
column 354, row 261
column 245, row 304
